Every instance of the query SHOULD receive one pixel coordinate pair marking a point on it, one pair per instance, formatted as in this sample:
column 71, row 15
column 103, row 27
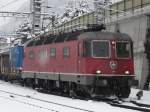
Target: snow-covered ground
column 145, row 99
column 28, row 100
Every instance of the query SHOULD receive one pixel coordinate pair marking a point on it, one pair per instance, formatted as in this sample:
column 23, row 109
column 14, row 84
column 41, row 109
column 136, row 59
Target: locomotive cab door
column 80, row 56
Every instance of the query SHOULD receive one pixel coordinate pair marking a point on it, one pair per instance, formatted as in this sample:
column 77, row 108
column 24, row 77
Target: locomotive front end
column 110, row 60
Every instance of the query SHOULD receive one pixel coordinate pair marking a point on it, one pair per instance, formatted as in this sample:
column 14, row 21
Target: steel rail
column 47, row 101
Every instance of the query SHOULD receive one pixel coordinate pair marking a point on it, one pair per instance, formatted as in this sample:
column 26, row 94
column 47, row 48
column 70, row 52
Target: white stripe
column 106, row 75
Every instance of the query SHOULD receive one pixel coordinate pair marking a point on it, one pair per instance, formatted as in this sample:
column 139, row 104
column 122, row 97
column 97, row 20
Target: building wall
column 127, row 5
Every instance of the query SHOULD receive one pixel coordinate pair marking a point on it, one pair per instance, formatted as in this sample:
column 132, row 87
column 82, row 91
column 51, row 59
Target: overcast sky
column 9, row 5
column 14, row 5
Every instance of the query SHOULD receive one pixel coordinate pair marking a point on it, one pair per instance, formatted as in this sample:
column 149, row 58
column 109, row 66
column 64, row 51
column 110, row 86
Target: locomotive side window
column 123, row 49
column 100, row 48
column 31, row 54
column 66, row 52
column 53, row 52
column 42, row 55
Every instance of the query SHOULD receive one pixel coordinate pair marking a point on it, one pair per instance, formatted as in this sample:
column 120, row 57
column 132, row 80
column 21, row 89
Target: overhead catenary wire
column 7, row 4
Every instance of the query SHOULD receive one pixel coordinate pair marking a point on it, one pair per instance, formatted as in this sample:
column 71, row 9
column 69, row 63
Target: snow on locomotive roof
column 104, row 36
column 78, row 35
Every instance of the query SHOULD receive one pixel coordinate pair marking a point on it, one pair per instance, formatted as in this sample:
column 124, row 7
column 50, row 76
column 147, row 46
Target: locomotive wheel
column 6, row 78
column 29, row 83
column 72, row 90
column 90, row 90
column 125, row 92
column 83, row 91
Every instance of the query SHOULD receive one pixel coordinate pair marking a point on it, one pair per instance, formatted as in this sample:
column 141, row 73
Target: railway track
column 113, row 102
column 30, row 104
column 141, row 104
column 45, row 101
column 121, row 103
column 136, row 107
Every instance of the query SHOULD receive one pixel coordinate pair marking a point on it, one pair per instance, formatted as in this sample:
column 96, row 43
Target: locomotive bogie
column 91, row 85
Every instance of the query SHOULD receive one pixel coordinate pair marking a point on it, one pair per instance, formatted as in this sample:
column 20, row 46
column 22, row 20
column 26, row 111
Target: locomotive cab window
column 66, row 52
column 123, row 49
column 100, row 48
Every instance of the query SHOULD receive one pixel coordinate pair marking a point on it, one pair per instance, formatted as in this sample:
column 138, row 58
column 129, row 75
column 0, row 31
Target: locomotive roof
column 105, row 36
column 79, row 36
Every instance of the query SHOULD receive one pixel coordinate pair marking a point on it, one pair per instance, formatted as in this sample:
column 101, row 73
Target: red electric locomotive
column 90, row 63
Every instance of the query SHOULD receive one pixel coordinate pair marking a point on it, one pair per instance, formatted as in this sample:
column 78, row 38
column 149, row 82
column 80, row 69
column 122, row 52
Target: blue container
column 16, row 57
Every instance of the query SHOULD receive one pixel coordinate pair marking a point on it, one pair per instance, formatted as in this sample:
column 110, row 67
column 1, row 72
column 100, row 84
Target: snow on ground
column 145, row 99
column 29, row 103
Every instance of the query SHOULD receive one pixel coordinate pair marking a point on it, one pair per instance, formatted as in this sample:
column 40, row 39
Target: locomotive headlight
column 113, row 42
column 127, row 72
column 98, row 72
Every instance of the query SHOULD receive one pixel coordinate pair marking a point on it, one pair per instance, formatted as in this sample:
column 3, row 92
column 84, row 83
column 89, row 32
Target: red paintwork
column 75, row 63
column 58, row 64
column 103, row 64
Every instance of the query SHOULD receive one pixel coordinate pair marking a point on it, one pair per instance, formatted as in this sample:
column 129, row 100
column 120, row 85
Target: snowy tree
column 74, row 9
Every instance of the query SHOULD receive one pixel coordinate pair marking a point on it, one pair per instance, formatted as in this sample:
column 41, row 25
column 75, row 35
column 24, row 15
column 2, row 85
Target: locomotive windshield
column 123, row 49
column 100, row 48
